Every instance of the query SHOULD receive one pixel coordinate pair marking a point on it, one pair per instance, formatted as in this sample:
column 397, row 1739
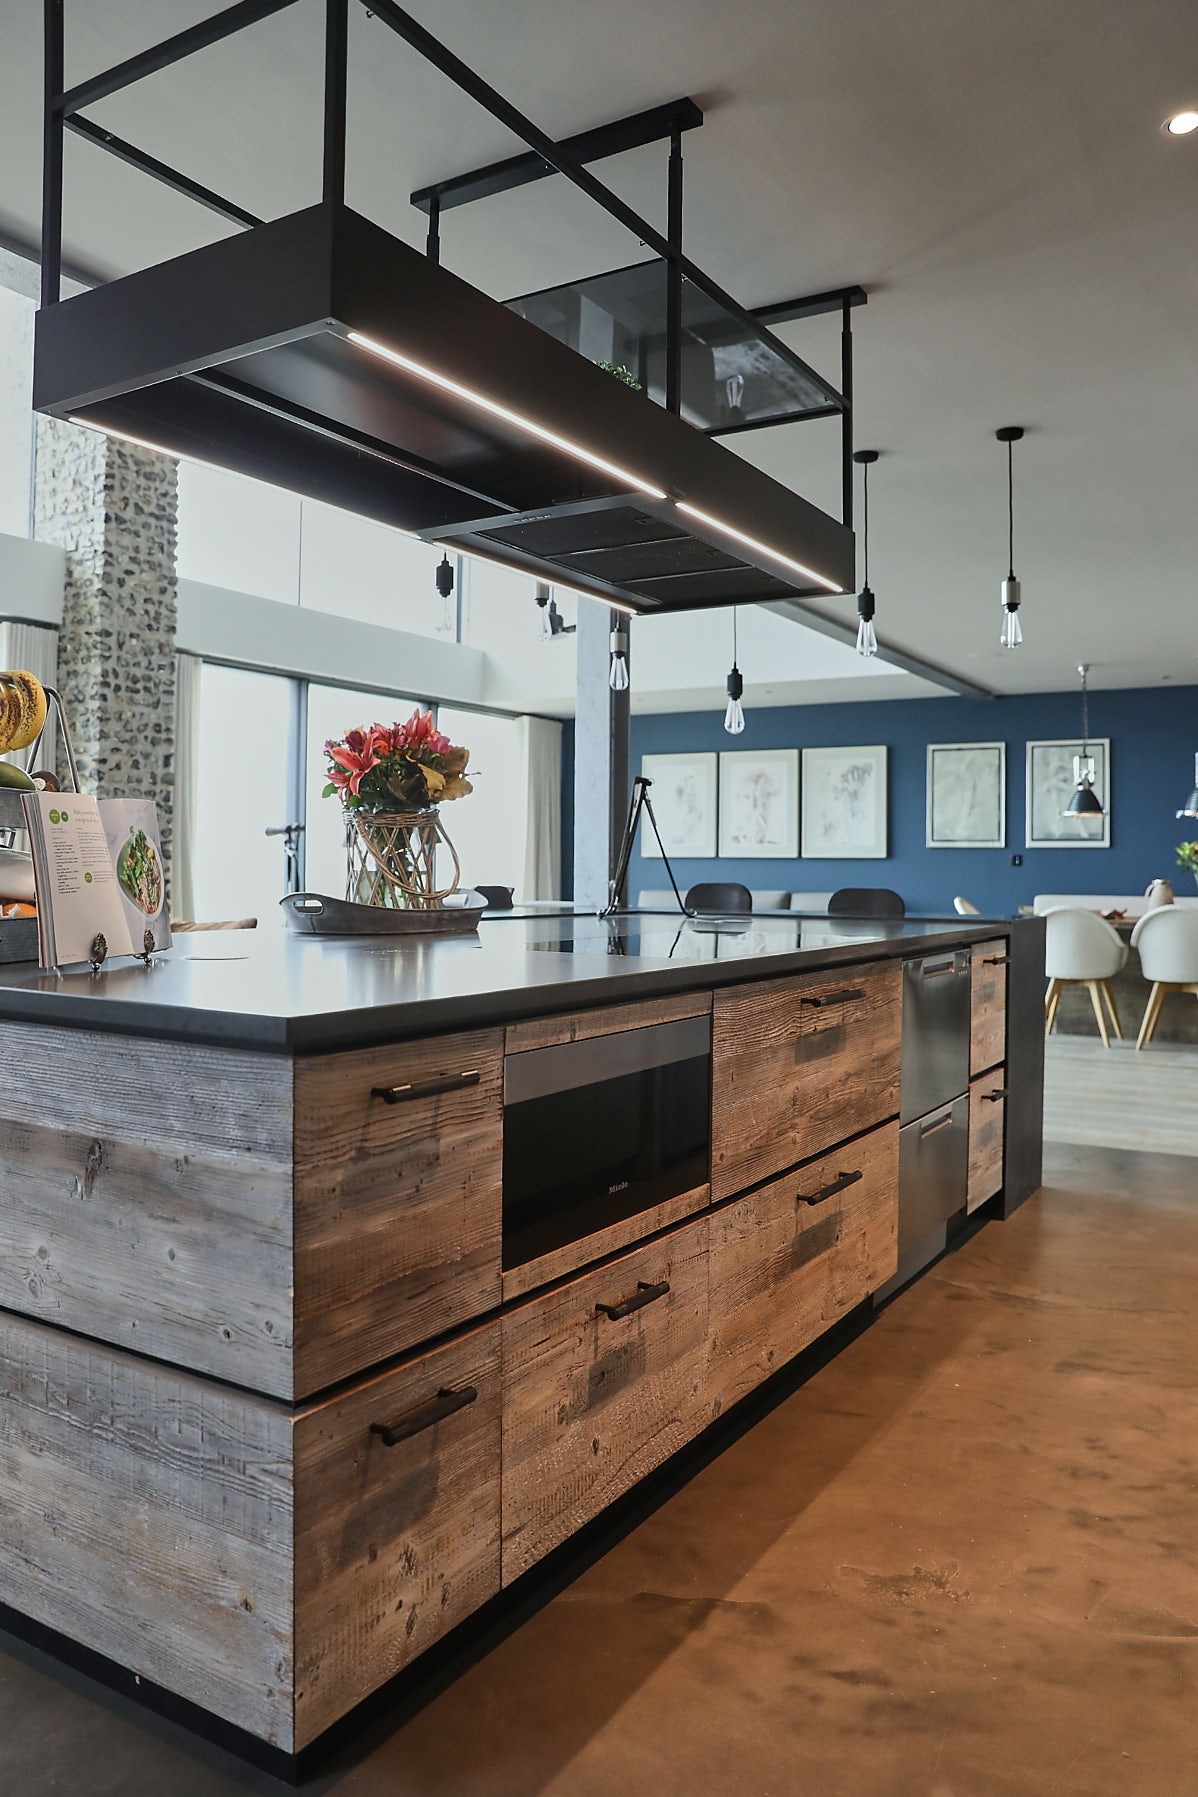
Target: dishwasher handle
column 937, row 1123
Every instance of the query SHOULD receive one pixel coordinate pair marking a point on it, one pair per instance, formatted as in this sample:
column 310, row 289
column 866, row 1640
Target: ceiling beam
column 799, row 612
column 813, row 305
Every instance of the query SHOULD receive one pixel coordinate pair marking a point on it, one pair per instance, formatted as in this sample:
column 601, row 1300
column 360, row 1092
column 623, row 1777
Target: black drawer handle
column 837, row 1185
column 993, row 1097
column 835, row 998
column 929, row 1129
column 996, row 960
column 426, row 1088
column 644, row 1294
column 446, row 1403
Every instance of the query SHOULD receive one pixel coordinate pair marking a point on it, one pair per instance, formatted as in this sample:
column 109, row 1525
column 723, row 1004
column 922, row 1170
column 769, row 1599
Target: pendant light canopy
column 867, row 640
column 734, row 713
column 1011, row 634
column 1190, row 808
column 1084, row 801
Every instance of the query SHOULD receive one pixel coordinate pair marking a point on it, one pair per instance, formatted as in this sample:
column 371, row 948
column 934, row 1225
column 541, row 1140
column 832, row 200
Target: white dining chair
column 965, row 907
column 1167, row 939
column 1082, row 949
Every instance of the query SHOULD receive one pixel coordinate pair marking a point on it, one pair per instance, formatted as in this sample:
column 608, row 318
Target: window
column 358, row 569
column 238, row 533
column 247, row 782
column 488, row 828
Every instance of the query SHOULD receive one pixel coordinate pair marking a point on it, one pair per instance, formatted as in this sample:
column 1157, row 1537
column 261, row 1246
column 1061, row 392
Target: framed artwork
column 967, row 795
column 759, row 803
column 683, row 796
column 1049, row 788
column 844, row 804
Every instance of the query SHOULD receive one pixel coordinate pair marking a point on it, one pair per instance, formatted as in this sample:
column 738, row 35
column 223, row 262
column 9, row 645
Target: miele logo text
column 621, row 1185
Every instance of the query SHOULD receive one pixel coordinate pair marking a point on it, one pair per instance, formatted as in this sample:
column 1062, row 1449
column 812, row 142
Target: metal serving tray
column 314, row 914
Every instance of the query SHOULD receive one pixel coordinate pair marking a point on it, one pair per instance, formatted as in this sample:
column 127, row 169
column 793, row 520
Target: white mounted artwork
column 967, row 796
column 759, row 803
column 683, row 796
column 1050, row 786
column 844, row 804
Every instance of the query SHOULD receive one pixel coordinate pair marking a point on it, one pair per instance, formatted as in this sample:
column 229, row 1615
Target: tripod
column 639, row 802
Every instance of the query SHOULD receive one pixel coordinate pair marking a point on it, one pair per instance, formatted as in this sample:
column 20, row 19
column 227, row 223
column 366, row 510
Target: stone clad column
column 112, row 507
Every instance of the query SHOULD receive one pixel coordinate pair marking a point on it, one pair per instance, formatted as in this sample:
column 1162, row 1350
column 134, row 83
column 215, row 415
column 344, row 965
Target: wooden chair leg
column 1151, row 1011
column 1052, row 999
column 1096, row 1001
column 1110, row 1005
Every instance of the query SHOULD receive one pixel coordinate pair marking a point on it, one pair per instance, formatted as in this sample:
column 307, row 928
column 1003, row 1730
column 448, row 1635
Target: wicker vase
column 390, row 859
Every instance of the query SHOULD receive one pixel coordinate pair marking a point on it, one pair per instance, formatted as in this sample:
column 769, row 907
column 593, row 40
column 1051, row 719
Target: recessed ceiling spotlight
column 1181, row 124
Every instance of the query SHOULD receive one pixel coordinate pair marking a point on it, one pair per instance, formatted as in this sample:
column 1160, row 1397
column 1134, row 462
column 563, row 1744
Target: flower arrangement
column 1187, row 857
column 396, row 767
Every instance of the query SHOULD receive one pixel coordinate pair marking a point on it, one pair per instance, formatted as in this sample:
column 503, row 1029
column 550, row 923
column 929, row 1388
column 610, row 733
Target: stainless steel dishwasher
column 933, row 1103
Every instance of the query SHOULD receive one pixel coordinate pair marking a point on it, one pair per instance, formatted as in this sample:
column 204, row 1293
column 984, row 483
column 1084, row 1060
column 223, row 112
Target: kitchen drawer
column 603, row 1379
column 987, row 1113
column 398, row 1211
column 801, row 1064
column 789, row 1260
column 988, row 1012
column 396, row 1540
column 269, row 1565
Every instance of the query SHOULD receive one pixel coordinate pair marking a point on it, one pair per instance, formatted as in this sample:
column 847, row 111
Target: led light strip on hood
column 738, row 536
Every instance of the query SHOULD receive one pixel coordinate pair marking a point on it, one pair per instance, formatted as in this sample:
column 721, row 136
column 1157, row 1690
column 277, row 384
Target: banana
column 22, row 710
column 15, row 777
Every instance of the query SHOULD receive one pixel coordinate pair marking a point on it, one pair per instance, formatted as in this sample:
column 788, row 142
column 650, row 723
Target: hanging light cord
column 1085, row 714
column 865, row 518
column 733, row 636
column 1011, row 511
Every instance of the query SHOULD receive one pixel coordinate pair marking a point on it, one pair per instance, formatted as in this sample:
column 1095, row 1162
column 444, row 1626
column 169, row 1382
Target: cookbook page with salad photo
column 97, row 868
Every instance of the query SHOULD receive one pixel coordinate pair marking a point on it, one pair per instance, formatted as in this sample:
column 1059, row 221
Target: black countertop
column 269, row 991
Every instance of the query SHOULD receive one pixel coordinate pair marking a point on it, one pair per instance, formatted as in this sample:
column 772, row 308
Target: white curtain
column 541, row 754
column 187, row 742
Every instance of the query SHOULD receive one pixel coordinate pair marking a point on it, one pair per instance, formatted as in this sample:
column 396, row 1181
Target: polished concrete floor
column 961, row 1560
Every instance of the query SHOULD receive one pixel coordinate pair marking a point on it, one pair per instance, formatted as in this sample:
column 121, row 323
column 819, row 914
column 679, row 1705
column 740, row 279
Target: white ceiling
column 992, row 171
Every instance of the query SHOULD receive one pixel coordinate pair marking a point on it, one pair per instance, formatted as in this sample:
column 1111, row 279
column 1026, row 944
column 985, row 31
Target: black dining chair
column 866, row 901
column 499, row 898
column 719, row 895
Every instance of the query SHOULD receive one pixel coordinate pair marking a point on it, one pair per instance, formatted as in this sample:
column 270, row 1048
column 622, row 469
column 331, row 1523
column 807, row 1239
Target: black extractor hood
column 320, row 353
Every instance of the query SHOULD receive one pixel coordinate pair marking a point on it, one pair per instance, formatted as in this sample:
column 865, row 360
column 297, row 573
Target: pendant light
column 734, row 713
column 1084, row 801
column 617, row 673
column 1012, row 631
column 867, row 639
column 1190, row 808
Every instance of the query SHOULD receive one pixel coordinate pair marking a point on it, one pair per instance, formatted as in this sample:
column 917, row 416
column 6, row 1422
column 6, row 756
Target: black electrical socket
column 1016, row 860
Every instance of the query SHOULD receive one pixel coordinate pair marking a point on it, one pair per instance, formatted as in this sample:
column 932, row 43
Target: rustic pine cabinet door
column 987, row 1107
column 988, row 1005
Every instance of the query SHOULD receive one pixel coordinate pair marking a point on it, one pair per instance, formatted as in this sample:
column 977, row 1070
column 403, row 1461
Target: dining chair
column 1082, row 949
column 499, row 898
column 1167, row 939
column 718, row 895
column 866, row 901
column 964, row 907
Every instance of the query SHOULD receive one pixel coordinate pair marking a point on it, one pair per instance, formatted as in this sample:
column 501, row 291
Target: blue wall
column 1153, row 732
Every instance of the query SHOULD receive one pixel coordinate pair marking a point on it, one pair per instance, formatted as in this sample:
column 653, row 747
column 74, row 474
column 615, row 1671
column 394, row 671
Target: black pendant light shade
column 1084, row 801
column 867, row 640
column 1011, row 634
column 1190, row 808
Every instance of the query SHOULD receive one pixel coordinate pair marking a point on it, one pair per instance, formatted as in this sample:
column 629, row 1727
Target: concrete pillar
column 602, row 775
column 113, row 508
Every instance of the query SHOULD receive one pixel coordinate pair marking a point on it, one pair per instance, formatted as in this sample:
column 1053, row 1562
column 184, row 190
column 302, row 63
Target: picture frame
column 967, row 795
column 1049, row 783
column 759, row 804
column 684, row 799
column 843, row 808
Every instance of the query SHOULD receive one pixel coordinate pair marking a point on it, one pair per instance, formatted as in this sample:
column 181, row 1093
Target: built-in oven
column 600, row 1130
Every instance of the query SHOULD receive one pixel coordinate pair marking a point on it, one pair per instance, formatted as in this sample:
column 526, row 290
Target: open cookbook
column 97, row 871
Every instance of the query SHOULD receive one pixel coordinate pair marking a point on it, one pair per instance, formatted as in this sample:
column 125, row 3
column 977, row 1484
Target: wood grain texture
column 782, row 1272
column 789, row 1079
column 986, row 1119
column 591, row 1403
column 147, row 1197
column 988, row 1006
column 148, row 1515
column 560, row 1262
column 579, row 1026
column 394, row 1545
column 398, row 1208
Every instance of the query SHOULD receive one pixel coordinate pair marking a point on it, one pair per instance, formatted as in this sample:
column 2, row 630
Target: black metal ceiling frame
column 64, row 110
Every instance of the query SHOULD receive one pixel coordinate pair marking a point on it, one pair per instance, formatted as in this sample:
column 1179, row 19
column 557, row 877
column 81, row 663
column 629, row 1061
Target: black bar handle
column 929, row 1129
column 835, row 998
column 426, row 1088
column 996, row 960
column 993, row 1097
column 644, row 1294
column 838, row 1185
column 446, row 1403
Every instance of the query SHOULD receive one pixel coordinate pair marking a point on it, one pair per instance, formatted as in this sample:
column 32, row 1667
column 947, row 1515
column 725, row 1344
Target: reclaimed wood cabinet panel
column 146, row 1197
column 988, row 1005
column 791, row 1259
column 148, row 1514
column 396, row 1535
column 987, row 1116
column 800, row 1064
column 603, row 1379
column 398, row 1205
column 605, row 1020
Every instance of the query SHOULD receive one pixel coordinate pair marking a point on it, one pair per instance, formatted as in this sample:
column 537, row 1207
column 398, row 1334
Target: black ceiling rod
column 473, row 85
column 846, row 416
column 810, row 305
column 161, row 56
column 52, row 138
column 159, row 171
column 336, row 64
column 674, row 275
column 432, row 248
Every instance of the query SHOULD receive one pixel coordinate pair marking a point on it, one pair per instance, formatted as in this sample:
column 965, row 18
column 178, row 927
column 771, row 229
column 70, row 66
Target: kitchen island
column 285, row 1402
